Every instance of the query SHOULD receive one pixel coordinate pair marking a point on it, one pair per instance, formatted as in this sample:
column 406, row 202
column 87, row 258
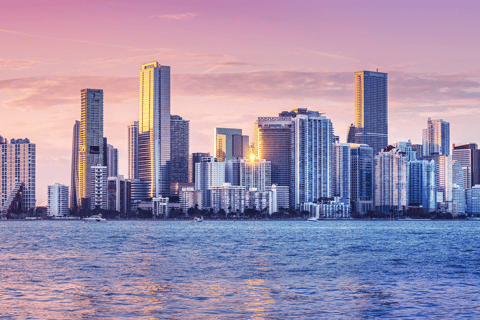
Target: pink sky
column 231, row 62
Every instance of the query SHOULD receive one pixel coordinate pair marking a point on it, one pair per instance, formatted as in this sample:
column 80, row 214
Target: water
column 244, row 270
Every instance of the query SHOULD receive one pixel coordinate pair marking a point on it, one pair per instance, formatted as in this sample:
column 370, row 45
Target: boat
column 95, row 218
column 198, row 219
column 312, row 219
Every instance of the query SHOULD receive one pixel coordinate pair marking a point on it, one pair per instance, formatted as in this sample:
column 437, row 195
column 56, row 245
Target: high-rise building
column 223, row 142
column 195, row 158
column 251, row 173
column 98, row 189
column 17, row 166
column 273, row 142
column 361, row 163
column 91, row 139
column 179, row 149
column 443, row 178
column 371, row 110
column 154, row 129
column 458, row 185
column 422, row 189
column 468, row 156
column 74, row 190
column 473, row 200
column 209, row 173
column 58, row 200
column 436, row 138
column 342, row 172
column 311, row 169
column 240, row 146
column 190, row 198
column 407, row 147
column 391, row 180
column 112, row 161
column 119, row 194
column 105, row 152
column 133, row 150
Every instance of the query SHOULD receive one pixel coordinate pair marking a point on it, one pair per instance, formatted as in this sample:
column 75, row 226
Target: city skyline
column 211, row 81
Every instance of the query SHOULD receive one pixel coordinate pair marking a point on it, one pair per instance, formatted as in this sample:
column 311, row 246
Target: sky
column 231, row 62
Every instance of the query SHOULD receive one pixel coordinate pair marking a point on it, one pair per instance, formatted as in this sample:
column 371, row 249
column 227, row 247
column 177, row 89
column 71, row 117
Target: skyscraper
column 443, row 178
column 112, row 161
column 468, row 156
column 436, row 138
column 391, row 180
column 154, row 129
column 193, row 159
column 74, row 190
column 209, row 173
column 17, row 166
column 223, row 143
column 133, row 150
column 240, row 146
column 371, row 110
column 273, row 142
column 179, row 149
column 421, row 185
column 341, row 186
column 361, row 159
column 91, row 138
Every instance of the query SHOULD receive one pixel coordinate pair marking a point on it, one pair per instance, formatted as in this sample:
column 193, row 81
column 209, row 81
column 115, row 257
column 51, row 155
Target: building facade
column 209, row 173
column 119, row 194
column 223, row 142
column 179, row 149
column 91, row 148
column 422, row 189
column 361, row 181
column 98, row 188
column 190, row 198
column 133, row 150
column 112, row 161
column 58, row 200
column 251, row 173
column 436, row 138
column 74, row 191
column 154, row 128
column 17, row 166
column 193, row 159
column 342, row 172
column 371, row 110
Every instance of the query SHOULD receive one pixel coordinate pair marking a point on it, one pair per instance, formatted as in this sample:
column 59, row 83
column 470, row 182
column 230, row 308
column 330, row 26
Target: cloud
column 178, row 16
column 19, row 64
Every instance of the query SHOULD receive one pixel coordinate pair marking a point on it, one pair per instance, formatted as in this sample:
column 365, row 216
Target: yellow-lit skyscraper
column 154, row 129
column 90, row 145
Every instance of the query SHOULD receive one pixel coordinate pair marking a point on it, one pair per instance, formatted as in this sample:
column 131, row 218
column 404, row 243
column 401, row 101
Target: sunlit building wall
column 154, row 128
column 371, row 109
column 91, row 138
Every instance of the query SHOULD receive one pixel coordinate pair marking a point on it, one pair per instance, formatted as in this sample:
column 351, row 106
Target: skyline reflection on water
column 253, row 270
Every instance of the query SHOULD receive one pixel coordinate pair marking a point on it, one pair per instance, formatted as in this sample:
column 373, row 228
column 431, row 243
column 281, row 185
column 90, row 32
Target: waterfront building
column 227, row 197
column 436, row 138
column 154, row 128
column 189, row 198
column 328, row 210
column 74, row 190
column 17, row 167
column 458, row 198
column 421, row 184
column 371, row 110
column 179, row 149
column 91, row 142
column 209, row 173
column 473, row 200
column 311, row 169
column 443, row 179
column 251, row 173
column 391, row 180
column 457, row 174
column 223, row 142
column 139, row 191
column 261, row 200
column 119, row 194
column 160, row 206
column 98, row 188
column 468, row 155
column 273, row 142
column 282, row 196
column 361, row 181
column 112, row 161
column 192, row 161
column 58, row 200
column 133, row 150
column 342, row 172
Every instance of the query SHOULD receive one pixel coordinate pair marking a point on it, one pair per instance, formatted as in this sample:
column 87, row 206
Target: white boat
column 197, row 219
column 95, row 218
column 312, row 219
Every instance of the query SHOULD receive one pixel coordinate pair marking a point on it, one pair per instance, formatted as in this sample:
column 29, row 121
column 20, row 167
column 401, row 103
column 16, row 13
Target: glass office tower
column 154, row 129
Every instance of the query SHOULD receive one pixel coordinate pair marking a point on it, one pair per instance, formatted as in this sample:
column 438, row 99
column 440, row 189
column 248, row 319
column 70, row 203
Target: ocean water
column 240, row 270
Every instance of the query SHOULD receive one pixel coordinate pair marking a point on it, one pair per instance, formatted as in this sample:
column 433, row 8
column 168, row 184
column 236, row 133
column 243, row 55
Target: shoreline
column 236, row 220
